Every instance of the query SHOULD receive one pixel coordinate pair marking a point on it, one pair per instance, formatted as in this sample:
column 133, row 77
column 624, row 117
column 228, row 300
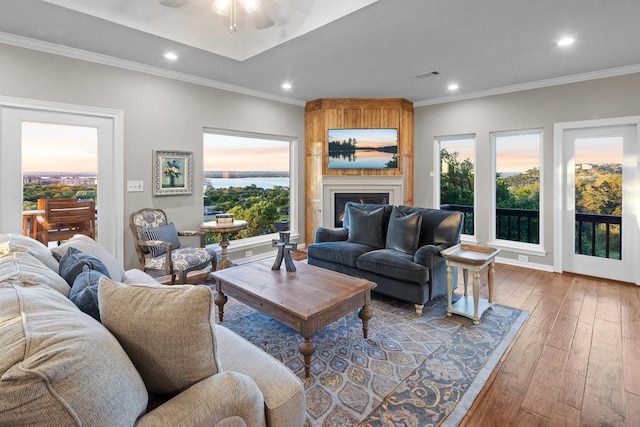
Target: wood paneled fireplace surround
column 323, row 186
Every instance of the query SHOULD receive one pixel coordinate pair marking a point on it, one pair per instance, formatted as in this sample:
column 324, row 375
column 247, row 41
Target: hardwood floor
column 575, row 362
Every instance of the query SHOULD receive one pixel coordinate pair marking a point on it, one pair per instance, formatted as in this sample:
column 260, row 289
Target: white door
column 600, row 215
column 13, row 113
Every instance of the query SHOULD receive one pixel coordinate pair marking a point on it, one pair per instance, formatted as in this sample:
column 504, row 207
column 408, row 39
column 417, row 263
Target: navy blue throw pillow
column 404, row 231
column 73, row 262
column 84, row 292
column 166, row 233
column 365, row 227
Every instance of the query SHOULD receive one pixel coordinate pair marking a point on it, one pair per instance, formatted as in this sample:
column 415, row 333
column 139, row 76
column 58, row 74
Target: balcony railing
column 596, row 235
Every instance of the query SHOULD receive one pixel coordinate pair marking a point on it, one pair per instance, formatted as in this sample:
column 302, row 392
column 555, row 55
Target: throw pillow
column 88, row 245
column 404, row 231
column 166, row 233
column 25, row 269
column 84, row 292
column 18, row 242
column 167, row 331
column 365, row 227
column 74, row 261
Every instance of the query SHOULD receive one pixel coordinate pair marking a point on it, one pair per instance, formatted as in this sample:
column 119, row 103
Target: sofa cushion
column 167, row 331
column 344, row 253
column 166, row 233
column 403, row 231
column 60, row 367
column 394, row 264
column 25, row 269
column 365, row 227
column 84, row 292
column 74, row 261
column 439, row 227
column 18, row 242
column 88, row 245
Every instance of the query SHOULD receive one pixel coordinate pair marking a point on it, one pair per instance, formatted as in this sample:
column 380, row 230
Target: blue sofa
column 397, row 247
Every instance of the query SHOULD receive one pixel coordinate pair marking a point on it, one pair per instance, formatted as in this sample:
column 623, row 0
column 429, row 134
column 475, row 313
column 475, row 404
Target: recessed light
column 171, row 56
column 286, row 86
column 452, row 87
column 566, row 41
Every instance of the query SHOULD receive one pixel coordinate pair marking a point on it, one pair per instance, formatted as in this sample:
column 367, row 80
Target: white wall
column 531, row 109
column 159, row 113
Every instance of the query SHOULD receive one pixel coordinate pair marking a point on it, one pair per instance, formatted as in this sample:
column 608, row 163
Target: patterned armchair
column 158, row 247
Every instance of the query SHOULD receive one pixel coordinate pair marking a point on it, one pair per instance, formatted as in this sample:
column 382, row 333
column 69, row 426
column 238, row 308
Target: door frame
column 560, row 183
column 110, row 124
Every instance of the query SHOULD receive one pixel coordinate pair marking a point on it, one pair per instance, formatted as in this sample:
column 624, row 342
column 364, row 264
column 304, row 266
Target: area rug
column 411, row 371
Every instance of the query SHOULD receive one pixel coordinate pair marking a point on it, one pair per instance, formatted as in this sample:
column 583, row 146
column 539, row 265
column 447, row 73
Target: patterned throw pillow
column 365, row 227
column 166, row 233
column 404, row 231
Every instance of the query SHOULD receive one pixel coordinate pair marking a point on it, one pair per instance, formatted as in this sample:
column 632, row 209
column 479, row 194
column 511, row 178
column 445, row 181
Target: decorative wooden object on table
column 470, row 257
column 224, row 229
column 284, row 252
column 306, row 300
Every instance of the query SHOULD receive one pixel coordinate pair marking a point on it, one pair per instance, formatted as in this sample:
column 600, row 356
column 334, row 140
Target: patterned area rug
column 409, row 372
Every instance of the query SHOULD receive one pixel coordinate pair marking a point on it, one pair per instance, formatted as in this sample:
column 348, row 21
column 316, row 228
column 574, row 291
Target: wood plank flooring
column 575, row 362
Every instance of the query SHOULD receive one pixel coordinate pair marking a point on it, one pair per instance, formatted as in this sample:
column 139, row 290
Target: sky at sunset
column 233, row 153
column 366, row 137
column 59, row 148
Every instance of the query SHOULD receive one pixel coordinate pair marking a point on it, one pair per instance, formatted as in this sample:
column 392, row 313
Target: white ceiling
column 338, row 48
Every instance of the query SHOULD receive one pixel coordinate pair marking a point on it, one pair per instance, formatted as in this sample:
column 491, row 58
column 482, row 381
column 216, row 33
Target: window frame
column 437, row 181
column 536, row 249
column 251, row 242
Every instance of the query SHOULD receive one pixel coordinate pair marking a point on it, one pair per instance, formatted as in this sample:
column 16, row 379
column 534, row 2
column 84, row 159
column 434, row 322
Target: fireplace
column 341, row 200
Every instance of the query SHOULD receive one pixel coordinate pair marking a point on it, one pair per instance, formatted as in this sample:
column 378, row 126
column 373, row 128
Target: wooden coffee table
column 306, row 299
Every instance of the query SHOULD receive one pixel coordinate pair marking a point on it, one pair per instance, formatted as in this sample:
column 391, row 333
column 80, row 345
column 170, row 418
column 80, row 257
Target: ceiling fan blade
column 173, row 3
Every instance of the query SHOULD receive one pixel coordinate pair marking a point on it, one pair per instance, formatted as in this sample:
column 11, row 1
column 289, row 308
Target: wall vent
column 427, row 74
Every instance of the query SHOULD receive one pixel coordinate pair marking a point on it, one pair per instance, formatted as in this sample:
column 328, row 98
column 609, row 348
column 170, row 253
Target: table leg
column 491, row 275
column 465, row 278
column 476, row 296
column 449, row 288
column 220, row 300
column 224, row 259
column 307, row 349
column 365, row 314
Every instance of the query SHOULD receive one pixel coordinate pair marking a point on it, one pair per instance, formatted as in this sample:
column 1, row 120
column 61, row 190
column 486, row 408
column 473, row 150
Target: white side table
column 475, row 258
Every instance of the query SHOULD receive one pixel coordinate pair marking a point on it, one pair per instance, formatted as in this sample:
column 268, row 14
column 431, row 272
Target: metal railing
column 596, row 235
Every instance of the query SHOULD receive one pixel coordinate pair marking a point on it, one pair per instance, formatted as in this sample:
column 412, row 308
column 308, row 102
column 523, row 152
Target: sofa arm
column 223, row 396
column 424, row 255
column 324, row 234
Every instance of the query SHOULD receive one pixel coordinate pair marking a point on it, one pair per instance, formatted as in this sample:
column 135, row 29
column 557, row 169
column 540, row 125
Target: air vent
column 427, row 74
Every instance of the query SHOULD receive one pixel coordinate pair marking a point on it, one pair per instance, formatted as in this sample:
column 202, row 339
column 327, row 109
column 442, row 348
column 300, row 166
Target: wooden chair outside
column 63, row 218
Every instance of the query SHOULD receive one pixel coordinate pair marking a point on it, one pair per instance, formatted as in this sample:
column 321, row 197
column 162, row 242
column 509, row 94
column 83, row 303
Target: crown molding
column 575, row 78
column 70, row 52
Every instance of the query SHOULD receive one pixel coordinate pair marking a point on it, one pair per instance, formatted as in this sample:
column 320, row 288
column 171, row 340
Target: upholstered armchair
column 159, row 249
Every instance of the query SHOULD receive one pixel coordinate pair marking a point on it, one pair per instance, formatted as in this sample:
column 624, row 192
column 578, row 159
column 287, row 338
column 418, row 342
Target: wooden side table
column 224, row 230
column 470, row 257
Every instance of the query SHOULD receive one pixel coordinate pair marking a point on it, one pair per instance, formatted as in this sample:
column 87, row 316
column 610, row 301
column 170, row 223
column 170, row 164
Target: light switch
column 134, row 186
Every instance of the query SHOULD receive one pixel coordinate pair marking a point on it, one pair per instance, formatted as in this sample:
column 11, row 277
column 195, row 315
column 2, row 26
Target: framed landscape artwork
column 363, row 148
column 172, row 172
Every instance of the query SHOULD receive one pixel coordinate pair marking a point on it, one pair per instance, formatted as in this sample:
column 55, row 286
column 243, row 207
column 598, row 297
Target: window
column 58, row 161
column 249, row 176
column 517, row 186
column 457, row 179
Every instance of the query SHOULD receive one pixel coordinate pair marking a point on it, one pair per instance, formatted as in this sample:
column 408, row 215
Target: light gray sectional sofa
column 157, row 358
column 397, row 247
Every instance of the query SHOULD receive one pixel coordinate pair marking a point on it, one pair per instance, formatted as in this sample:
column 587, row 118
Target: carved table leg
column 307, row 349
column 220, row 300
column 365, row 314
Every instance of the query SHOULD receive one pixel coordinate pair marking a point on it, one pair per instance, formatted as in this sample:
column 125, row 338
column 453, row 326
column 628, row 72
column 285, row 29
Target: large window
column 517, row 185
column 457, row 176
column 249, row 176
